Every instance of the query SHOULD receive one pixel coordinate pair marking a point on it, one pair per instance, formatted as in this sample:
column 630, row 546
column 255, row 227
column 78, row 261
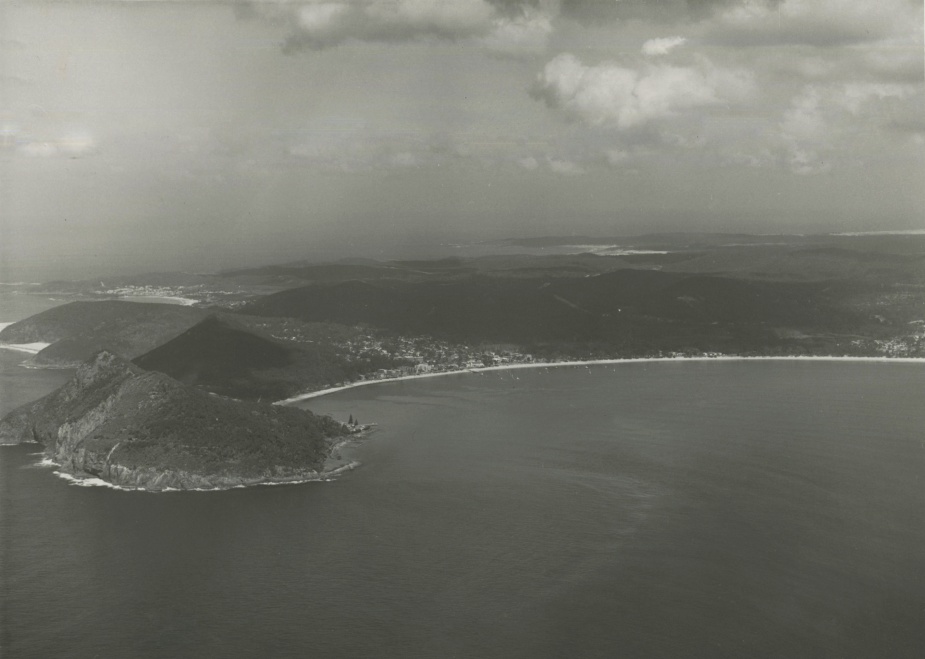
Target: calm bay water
column 17, row 384
column 760, row 509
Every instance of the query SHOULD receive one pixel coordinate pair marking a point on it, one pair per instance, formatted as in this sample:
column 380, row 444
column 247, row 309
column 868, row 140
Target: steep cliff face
column 135, row 428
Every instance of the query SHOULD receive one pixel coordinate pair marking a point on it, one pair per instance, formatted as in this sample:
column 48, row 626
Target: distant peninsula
column 144, row 430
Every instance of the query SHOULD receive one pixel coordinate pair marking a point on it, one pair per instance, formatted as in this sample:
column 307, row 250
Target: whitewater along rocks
column 140, row 429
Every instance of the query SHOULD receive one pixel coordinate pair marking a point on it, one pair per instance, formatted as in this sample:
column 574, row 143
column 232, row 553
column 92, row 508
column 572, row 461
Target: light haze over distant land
column 184, row 135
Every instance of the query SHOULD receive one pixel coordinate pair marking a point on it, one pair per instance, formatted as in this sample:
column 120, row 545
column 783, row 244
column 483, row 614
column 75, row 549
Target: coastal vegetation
column 80, row 329
column 139, row 429
column 178, row 396
column 291, row 328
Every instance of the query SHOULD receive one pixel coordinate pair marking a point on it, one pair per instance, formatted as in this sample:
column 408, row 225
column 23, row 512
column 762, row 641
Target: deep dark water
column 759, row 509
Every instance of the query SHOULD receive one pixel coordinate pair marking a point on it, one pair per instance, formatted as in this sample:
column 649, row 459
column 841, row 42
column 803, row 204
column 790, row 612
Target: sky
column 203, row 135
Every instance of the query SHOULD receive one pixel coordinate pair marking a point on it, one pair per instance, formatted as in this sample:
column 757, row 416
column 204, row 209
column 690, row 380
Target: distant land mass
column 140, row 429
column 892, row 241
column 271, row 332
column 627, row 312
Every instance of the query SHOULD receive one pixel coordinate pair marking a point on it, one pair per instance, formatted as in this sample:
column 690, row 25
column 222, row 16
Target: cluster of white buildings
column 910, row 345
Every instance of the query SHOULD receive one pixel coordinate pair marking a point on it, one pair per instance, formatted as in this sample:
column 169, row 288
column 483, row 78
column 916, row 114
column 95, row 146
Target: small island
column 143, row 430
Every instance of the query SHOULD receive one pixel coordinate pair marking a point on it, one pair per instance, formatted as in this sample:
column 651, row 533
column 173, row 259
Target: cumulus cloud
column 319, row 24
column 829, row 123
column 68, row 144
column 619, row 157
column 817, row 112
column 898, row 58
column 810, row 79
column 804, row 121
column 806, row 162
column 823, row 23
column 613, row 95
column 855, row 97
column 507, row 28
column 823, row 40
column 564, row 167
column 522, row 35
column 661, row 46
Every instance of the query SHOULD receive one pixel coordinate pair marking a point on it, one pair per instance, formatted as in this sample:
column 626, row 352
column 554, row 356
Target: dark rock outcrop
column 140, row 429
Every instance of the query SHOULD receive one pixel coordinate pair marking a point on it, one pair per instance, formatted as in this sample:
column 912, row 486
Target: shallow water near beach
column 761, row 509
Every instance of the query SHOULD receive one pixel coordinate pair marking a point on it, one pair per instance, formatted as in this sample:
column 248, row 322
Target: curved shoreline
column 592, row 362
column 28, row 348
column 335, row 465
column 93, row 481
column 32, row 348
column 162, row 299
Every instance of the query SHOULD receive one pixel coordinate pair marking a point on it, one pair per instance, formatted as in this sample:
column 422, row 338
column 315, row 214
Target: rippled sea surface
column 734, row 509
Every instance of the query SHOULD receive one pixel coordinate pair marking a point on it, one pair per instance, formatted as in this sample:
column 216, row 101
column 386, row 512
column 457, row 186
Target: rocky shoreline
column 149, row 480
column 83, row 469
column 114, row 423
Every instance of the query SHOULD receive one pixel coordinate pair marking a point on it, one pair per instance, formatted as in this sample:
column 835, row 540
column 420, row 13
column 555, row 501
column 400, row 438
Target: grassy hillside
column 220, row 358
column 80, row 329
column 78, row 318
column 240, row 359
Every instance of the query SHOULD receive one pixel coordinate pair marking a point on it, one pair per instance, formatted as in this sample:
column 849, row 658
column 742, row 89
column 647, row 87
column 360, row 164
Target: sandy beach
column 31, row 348
column 162, row 299
column 595, row 362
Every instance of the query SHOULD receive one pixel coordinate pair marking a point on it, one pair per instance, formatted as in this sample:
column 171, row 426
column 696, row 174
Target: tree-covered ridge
column 657, row 295
column 115, row 421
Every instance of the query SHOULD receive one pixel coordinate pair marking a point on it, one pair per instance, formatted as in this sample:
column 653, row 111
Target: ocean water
column 734, row 509
column 15, row 305
column 18, row 385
